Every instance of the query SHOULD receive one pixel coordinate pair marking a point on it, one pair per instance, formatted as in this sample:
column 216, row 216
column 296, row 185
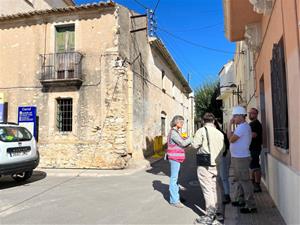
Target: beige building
column 102, row 93
column 9, row 7
column 271, row 27
column 244, row 75
column 227, row 85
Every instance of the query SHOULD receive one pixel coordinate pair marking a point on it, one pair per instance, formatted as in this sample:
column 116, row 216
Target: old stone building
column 102, row 93
column 8, row 7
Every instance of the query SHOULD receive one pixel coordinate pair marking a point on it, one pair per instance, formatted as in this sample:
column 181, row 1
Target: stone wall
column 149, row 100
column 116, row 110
column 99, row 144
column 99, row 128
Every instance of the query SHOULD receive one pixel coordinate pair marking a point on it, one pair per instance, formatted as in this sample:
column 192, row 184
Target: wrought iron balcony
column 61, row 69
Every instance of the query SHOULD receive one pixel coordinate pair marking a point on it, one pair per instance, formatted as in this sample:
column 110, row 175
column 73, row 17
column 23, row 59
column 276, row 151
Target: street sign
column 27, row 118
column 2, row 108
column 1, row 112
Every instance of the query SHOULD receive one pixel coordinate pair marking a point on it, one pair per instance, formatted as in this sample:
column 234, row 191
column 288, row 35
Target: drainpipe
column 130, row 112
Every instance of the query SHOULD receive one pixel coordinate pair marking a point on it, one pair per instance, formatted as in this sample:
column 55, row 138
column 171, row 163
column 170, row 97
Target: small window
column 173, row 90
column 163, row 78
column 64, row 114
column 163, row 123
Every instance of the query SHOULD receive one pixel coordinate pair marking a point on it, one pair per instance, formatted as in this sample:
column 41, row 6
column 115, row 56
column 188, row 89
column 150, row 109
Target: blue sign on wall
column 27, row 118
column 1, row 112
column 27, row 114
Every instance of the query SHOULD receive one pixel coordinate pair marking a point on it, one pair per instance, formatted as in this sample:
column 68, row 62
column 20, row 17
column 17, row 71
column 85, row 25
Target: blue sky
column 186, row 25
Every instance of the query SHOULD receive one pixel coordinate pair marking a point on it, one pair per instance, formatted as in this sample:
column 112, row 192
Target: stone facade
column 8, row 7
column 116, row 110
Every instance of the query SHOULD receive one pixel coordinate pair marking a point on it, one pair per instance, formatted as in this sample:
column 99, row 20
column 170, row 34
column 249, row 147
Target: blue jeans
column 174, row 188
column 224, row 172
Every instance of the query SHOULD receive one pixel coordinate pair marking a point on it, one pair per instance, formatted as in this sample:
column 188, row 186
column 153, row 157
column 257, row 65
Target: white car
column 18, row 152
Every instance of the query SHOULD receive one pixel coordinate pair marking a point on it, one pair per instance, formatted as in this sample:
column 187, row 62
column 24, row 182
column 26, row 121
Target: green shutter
column 65, row 39
column 60, row 40
column 71, row 41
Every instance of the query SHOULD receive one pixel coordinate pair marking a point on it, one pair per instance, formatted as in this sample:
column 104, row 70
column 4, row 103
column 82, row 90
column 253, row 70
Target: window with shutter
column 64, row 47
column 279, row 96
column 65, row 38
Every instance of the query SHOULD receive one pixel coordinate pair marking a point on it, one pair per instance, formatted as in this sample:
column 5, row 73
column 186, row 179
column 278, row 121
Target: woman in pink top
column 176, row 155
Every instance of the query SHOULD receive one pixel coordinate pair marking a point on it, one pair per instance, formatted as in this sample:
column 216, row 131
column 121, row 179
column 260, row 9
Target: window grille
column 279, row 96
column 163, row 126
column 64, row 114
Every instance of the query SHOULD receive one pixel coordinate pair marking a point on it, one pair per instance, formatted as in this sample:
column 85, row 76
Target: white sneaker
column 216, row 222
column 177, row 205
column 204, row 220
column 182, row 188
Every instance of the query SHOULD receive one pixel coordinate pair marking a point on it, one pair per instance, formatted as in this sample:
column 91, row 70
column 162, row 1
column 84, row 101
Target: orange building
column 271, row 30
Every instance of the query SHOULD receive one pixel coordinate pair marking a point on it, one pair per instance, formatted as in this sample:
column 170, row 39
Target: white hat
column 239, row 110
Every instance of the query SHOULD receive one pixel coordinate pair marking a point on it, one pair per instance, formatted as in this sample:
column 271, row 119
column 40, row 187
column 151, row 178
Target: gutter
column 70, row 9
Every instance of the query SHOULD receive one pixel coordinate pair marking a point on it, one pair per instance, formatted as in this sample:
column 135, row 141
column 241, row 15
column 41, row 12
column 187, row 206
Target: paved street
column 139, row 198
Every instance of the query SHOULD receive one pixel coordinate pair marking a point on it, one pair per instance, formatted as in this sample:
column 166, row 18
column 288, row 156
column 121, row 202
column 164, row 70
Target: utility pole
column 152, row 23
column 139, row 29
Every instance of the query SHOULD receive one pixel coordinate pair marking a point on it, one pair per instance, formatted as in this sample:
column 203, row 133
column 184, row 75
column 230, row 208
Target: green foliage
column 205, row 100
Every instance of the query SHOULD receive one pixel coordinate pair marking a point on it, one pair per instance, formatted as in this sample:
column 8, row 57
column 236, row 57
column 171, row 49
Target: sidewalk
column 267, row 213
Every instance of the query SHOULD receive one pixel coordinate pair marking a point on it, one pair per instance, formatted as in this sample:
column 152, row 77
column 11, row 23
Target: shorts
column 254, row 164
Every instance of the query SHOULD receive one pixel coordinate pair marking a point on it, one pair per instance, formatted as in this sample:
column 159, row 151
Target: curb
column 134, row 168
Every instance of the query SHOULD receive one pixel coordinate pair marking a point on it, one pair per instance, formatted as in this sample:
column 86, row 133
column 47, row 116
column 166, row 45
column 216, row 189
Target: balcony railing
column 61, row 69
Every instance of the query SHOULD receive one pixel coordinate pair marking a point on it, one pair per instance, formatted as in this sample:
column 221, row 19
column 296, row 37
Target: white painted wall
column 284, row 187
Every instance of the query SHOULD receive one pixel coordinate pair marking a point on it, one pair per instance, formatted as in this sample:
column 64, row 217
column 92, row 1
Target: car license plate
column 18, row 151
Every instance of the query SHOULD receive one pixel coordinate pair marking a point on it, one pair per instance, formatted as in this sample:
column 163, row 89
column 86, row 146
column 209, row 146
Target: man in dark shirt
column 255, row 148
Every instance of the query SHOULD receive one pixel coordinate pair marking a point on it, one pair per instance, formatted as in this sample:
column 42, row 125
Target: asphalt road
column 140, row 198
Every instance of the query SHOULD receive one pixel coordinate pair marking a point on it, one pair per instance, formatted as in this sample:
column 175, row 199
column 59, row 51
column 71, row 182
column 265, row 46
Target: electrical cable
column 198, row 28
column 186, row 63
column 156, row 6
column 142, row 5
column 196, row 44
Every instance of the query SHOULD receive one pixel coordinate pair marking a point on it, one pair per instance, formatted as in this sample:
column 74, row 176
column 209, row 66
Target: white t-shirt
column 240, row 148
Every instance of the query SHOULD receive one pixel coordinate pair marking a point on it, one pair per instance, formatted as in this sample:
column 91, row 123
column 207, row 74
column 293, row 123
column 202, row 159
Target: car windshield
column 14, row 134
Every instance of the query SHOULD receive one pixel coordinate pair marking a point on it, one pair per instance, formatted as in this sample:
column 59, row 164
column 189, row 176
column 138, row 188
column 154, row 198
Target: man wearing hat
column 240, row 140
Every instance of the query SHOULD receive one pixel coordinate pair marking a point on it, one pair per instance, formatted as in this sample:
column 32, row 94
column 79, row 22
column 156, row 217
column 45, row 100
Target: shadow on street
column 7, row 182
column 190, row 191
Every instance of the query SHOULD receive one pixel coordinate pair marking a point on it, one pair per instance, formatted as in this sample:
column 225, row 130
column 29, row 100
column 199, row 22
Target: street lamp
column 231, row 86
column 238, row 92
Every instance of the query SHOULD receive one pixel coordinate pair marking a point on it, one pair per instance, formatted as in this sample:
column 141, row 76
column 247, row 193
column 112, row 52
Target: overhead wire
column 196, row 44
column 186, row 64
column 179, row 56
column 142, row 5
column 197, row 28
column 183, row 59
column 156, row 6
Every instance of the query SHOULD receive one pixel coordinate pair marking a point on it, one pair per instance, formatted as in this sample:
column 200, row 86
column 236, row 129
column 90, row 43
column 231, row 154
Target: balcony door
column 65, row 39
column 64, row 51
